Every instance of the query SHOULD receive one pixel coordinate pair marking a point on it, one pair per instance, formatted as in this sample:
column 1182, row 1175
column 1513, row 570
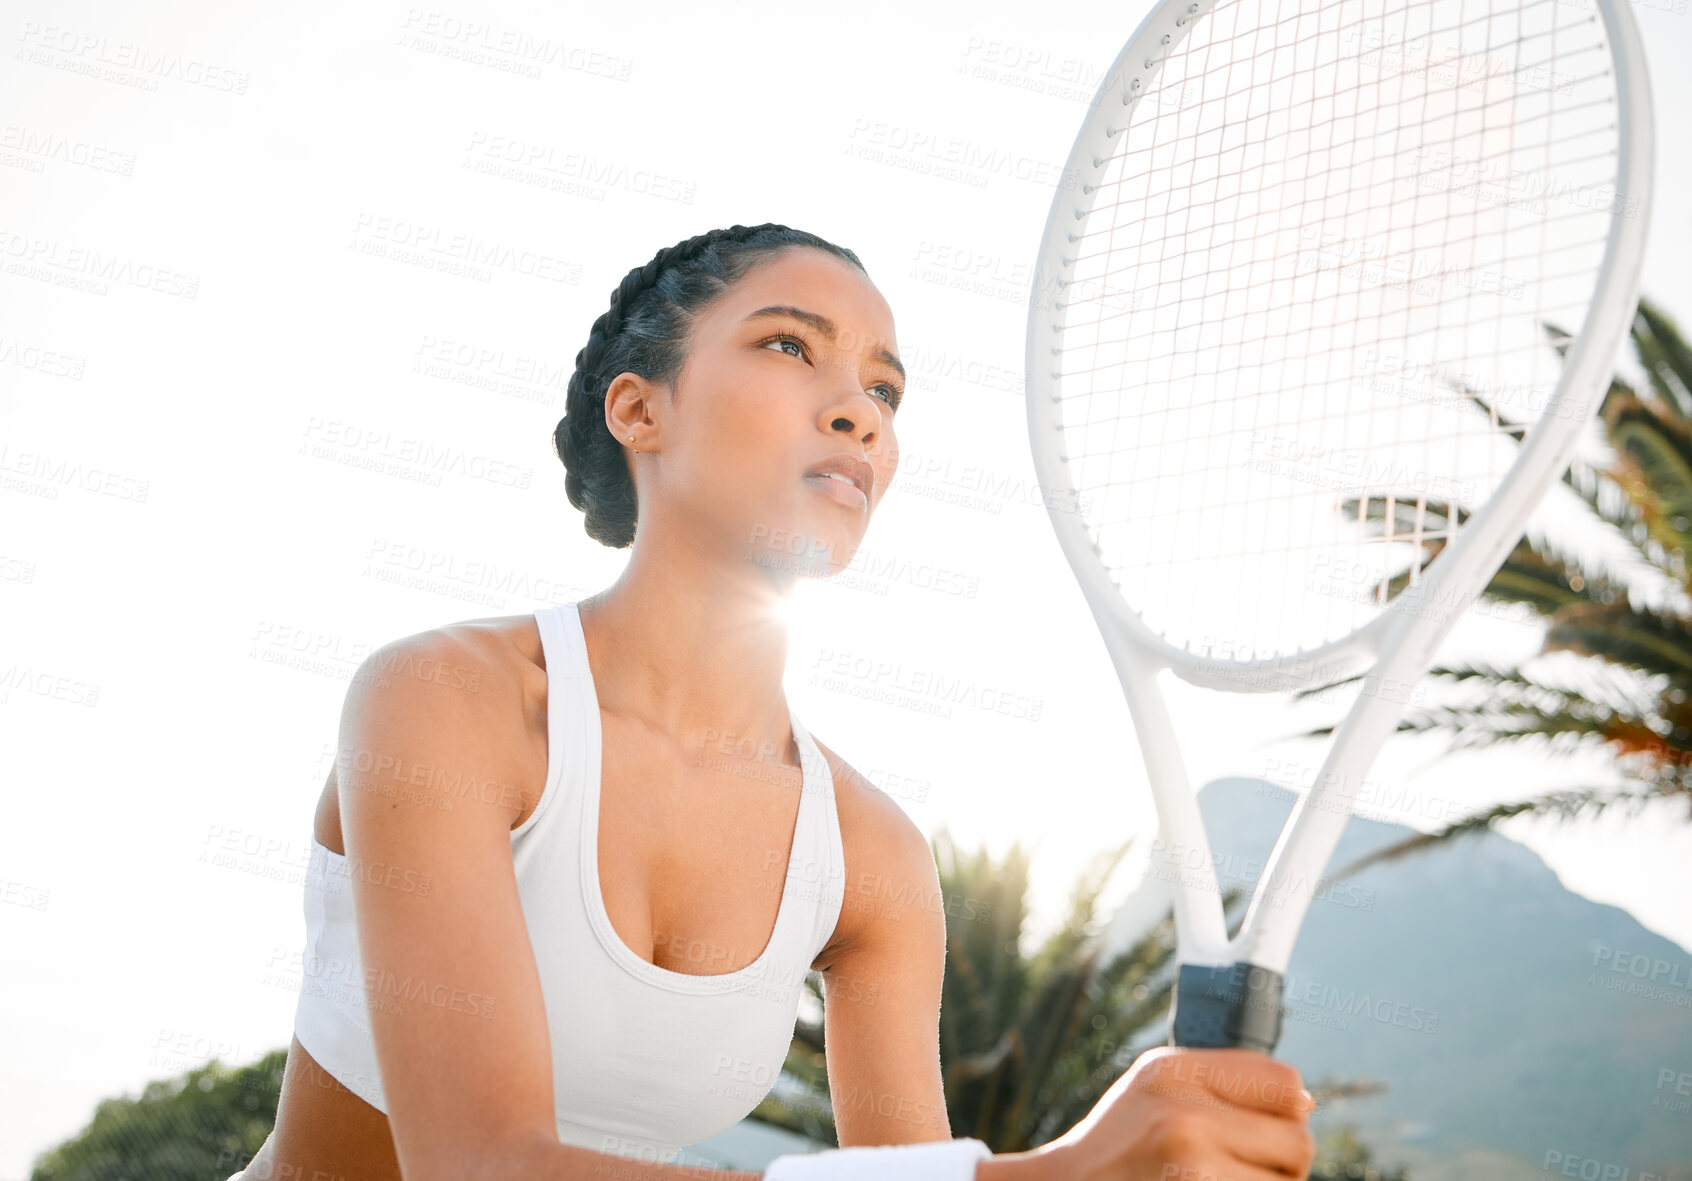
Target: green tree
column 199, row 1126
column 1630, row 695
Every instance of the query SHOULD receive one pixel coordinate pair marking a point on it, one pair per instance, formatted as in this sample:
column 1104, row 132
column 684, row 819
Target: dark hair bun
column 646, row 331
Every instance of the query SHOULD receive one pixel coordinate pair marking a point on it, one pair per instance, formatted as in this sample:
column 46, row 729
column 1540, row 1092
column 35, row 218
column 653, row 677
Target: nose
column 858, row 414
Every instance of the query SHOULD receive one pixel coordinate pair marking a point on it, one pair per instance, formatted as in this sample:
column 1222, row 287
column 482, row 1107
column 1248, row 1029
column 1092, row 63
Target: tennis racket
column 1330, row 292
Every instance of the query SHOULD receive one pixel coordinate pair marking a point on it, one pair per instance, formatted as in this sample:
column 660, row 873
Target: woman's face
column 765, row 398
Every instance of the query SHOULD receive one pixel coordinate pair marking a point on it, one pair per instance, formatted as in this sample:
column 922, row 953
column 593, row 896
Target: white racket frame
column 1400, row 643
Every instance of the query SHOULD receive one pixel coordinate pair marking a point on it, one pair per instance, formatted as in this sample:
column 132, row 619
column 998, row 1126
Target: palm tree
column 1628, row 691
column 1029, row 1043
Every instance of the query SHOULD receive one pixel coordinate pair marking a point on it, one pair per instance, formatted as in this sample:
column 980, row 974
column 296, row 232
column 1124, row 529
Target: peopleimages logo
column 936, row 689
column 1641, row 975
column 950, row 157
column 142, row 66
column 1565, row 1164
column 1334, row 1007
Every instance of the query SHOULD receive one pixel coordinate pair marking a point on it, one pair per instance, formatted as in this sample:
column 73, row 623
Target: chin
column 810, row 547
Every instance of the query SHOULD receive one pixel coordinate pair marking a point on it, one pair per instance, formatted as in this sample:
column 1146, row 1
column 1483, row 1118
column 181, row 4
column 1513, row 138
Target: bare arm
column 1186, row 1113
column 882, row 988
column 427, row 783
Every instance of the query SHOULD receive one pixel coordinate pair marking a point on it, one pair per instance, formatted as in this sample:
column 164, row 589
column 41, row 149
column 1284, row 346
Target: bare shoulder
column 889, row 865
column 484, row 678
column 499, row 639
column 877, row 822
column 487, row 662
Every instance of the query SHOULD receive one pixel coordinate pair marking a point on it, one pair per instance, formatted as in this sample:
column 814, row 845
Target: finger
column 1197, row 1136
column 1232, row 1171
column 1244, row 1078
column 1266, row 1141
column 1193, row 1112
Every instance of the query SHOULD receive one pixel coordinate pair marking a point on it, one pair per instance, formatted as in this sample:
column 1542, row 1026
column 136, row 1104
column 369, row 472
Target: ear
column 629, row 400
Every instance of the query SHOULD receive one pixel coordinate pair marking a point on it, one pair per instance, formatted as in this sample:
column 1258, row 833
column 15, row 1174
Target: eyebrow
column 823, row 325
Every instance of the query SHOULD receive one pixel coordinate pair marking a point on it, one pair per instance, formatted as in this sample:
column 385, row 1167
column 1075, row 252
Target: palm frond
column 1653, row 464
column 1545, row 581
column 1665, row 356
column 1565, row 803
column 1491, row 676
column 1614, row 508
column 1635, row 637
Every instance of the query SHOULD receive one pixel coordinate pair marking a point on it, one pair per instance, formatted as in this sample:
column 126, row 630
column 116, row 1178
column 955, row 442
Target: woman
column 572, row 867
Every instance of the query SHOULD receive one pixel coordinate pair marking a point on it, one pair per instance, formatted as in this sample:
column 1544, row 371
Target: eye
column 895, row 395
column 793, row 340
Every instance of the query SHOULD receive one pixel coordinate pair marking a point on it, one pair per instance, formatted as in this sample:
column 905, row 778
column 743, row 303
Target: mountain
column 1510, row 1019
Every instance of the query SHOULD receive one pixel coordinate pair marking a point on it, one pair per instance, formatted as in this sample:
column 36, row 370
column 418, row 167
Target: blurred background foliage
column 1029, row 1042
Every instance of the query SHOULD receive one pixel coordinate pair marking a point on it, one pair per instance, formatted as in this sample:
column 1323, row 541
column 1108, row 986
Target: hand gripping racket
column 1330, row 292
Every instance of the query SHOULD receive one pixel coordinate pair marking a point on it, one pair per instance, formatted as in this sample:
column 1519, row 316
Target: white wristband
column 940, row 1160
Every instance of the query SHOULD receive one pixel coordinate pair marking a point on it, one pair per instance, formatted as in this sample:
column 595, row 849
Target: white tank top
column 645, row 1061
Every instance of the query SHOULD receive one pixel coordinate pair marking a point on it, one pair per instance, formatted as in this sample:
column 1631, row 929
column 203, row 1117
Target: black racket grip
column 1216, row 1008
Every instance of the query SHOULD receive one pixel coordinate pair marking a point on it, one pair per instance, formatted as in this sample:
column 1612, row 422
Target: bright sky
column 242, row 406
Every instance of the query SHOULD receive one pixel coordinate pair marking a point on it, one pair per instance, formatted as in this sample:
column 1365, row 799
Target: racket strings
column 1312, row 293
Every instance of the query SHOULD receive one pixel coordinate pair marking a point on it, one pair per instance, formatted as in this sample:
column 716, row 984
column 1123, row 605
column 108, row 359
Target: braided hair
column 646, row 331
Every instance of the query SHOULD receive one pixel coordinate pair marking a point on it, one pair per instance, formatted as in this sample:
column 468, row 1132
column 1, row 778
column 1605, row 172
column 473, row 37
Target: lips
column 850, row 466
column 837, row 488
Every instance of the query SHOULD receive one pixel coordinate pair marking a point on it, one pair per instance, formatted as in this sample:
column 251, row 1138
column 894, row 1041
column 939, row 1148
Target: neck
column 694, row 650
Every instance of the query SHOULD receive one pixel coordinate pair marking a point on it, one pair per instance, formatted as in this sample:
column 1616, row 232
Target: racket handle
column 1216, row 1008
